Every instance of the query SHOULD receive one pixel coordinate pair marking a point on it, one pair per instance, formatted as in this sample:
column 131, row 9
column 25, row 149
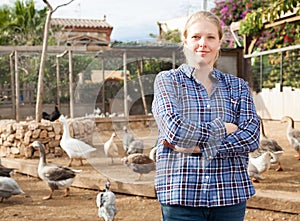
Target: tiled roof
column 80, row 23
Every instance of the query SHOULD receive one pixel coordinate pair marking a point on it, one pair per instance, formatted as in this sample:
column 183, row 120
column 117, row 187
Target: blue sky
column 132, row 20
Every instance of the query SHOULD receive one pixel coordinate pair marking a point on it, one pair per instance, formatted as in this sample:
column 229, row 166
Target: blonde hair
column 203, row 15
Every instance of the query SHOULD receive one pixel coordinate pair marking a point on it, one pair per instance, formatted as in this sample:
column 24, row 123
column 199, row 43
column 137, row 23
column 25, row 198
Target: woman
column 207, row 127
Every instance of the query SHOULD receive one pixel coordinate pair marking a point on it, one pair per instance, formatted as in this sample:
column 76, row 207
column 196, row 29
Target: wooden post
column 71, row 85
column 57, row 83
column 12, row 83
column 125, row 84
column 247, row 67
column 139, row 72
column 17, row 81
column 58, row 86
column 103, row 85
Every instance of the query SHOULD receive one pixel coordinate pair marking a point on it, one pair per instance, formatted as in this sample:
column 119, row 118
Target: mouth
column 202, row 52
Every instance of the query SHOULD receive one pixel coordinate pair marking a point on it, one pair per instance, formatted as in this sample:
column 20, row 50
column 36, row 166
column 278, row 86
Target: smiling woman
column 196, row 106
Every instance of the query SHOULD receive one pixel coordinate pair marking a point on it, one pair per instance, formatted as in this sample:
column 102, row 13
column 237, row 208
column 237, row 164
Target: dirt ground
column 80, row 205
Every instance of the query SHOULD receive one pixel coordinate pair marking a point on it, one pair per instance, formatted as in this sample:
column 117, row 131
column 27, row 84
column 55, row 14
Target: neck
column 205, row 79
column 42, row 161
column 66, row 129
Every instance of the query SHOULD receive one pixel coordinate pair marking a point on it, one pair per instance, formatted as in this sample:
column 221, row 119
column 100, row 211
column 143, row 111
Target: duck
column 127, row 139
column 106, row 203
column 75, row 149
column 259, row 162
column 5, row 171
column 269, row 144
column 111, row 148
column 139, row 163
column 9, row 187
column 293, row 135
column 56, row 177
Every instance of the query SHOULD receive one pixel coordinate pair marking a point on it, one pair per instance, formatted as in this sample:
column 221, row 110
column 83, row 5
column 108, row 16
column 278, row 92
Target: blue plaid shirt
column 186, row 116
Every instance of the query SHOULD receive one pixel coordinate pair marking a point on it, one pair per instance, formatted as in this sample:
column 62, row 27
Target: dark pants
column 223, row 213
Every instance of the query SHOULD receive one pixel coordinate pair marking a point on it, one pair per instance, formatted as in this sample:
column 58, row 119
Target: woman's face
column 203, row 41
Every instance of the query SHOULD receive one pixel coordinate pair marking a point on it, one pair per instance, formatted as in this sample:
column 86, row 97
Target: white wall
column 273, row 104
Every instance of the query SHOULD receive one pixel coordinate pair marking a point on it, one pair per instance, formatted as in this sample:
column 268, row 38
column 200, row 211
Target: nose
column 202, row 42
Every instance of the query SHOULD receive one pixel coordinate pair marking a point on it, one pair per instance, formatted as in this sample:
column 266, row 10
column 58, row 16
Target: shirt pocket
column 231, row 110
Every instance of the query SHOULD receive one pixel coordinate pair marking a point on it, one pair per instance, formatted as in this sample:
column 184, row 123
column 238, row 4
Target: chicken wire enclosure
column 143, row 60
column 279, row 66
column 122, row 78
column 141, row 63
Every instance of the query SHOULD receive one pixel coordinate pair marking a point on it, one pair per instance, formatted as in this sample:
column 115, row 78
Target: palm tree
column 22, row 24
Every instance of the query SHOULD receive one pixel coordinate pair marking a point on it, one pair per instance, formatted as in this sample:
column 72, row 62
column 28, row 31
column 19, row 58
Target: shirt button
column 208, row 106
column 211, row 157
column 207, row 177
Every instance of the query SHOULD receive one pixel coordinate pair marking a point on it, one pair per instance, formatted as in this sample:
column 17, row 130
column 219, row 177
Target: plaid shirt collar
column 190, row 72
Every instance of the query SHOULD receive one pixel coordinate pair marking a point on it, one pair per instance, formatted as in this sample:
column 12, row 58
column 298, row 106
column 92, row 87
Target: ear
column 184, row 41
column 220, row 43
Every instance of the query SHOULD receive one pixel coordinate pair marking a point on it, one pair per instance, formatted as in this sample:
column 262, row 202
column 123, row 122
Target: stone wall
column 16, row 137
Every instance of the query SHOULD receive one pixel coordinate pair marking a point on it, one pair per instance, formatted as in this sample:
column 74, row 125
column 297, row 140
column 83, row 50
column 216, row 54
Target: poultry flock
column 60, row 177
column 268, row 154
column 133, row 149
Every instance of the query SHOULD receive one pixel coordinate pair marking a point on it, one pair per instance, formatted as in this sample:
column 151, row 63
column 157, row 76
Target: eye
column 196, row 37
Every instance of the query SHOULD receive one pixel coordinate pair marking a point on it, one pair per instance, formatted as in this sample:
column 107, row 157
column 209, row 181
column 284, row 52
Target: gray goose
column 127, row 139
column 293, row 135
column 9, row 187
column 56, row 177
column 269, row 144
column 139, row 163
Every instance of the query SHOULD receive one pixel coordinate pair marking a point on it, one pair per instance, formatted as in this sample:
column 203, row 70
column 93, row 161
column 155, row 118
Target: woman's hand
column 230, row 127
column 195, row 149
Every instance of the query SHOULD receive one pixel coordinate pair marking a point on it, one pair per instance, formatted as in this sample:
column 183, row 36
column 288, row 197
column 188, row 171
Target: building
column 81, row 32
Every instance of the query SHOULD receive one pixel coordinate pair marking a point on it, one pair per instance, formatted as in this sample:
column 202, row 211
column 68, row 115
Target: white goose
column 75, row 149
column 269, row 144
column 106, row 203
column 111, row 148
column 56, row 177
column 259, row 162
column 293, row 135
column 9, row 187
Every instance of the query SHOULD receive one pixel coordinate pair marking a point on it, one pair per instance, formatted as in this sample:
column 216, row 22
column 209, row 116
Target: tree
column 21, row 24
column 50, row 11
